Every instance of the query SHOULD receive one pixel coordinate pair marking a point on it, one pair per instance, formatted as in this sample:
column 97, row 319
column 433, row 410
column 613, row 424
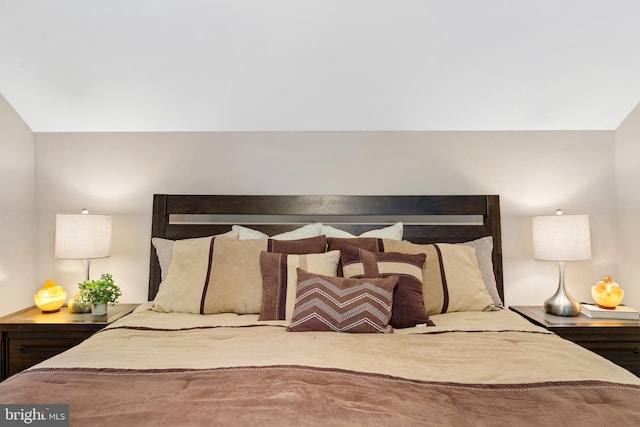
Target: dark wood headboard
column 426, row 219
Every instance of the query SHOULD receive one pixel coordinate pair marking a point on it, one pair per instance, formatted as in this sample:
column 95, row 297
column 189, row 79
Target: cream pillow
column 164, row 250
column 182, row 289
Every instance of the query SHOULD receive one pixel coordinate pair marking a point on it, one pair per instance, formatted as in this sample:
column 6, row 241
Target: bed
column 328, row 310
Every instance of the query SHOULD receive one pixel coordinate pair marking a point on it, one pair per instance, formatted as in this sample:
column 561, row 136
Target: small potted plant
column 99, row 293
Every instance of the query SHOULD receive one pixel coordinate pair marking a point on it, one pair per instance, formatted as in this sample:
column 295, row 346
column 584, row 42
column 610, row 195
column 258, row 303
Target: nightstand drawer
column 623, row 348
column 630, row 363
column 623, row 353
column 27, row 352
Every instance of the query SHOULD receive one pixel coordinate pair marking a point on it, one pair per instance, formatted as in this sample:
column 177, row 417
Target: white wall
column 627, row 175
column 533, row 172
column 17, row 212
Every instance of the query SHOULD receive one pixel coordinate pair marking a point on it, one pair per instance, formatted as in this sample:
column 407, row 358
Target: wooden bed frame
column 426, row 219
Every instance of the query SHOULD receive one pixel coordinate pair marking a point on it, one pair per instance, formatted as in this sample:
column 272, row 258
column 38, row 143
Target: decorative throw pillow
column 309, row 245
column 484, row 254
column 304, row 232
column 340, row 304
column 394, row 232
column 372, row 244
column 212, row 275
column 280, row 279
column 164, row 250
column 408, row 301
column 451, row 278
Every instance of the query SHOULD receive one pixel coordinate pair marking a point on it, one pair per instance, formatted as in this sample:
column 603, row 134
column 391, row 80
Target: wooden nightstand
column 30, row 336
column 617, row 340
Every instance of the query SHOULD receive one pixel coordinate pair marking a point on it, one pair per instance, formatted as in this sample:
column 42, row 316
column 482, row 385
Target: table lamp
column 561, row 238
column 82, row 236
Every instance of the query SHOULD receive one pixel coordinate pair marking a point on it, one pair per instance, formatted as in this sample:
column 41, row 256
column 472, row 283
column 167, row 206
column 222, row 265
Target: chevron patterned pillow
column 341, row 304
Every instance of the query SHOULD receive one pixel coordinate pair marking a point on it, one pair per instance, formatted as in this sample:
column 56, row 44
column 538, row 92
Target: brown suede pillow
column 408, row 301
column 341, row 304
column 280, row 279
column 309, row 245
column 372, row 244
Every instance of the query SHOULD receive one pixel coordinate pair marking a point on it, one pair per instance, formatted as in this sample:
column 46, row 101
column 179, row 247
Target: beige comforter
column 473, row 368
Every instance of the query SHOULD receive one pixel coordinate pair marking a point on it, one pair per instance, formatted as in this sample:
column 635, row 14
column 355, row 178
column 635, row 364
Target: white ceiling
column 228, row 65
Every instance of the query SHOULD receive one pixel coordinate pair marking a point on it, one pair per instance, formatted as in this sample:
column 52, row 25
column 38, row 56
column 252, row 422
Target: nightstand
column 616, row 340
column 30, row 336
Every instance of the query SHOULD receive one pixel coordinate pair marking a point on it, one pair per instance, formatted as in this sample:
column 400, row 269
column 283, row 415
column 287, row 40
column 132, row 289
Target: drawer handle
column 636, row 350
column 23, row 348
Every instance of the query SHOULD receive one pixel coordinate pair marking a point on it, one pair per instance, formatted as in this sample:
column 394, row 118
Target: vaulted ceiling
column 261, row 65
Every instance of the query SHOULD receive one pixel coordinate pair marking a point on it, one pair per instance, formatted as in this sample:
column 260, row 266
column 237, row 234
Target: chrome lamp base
column 561, row 303
column 75, row 304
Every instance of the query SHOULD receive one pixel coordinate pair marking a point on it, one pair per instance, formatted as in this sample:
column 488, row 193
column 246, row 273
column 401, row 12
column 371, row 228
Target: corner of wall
column 17, row 215
column 627, row 199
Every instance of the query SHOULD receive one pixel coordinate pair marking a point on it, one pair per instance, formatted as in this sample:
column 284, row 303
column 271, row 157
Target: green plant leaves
column 101, row 290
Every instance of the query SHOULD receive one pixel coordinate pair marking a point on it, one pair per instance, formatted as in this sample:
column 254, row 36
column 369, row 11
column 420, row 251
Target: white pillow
column 306, row 231
column 392, row 232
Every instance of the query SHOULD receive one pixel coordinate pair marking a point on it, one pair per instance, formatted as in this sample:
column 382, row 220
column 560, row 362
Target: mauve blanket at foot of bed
column 289, row 395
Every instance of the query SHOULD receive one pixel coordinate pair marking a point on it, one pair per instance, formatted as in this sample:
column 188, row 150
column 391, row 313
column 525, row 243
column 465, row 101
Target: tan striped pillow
column 408, row 301
column 212, row 275
column 451, row 278
column 164, row 249
column 340, row 304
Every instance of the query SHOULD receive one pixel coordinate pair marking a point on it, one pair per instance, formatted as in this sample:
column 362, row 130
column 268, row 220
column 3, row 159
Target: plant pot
column 99, row 309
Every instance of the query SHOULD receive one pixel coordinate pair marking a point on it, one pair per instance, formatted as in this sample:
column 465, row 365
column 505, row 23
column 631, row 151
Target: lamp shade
column 561, row 238
column 83, row 236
